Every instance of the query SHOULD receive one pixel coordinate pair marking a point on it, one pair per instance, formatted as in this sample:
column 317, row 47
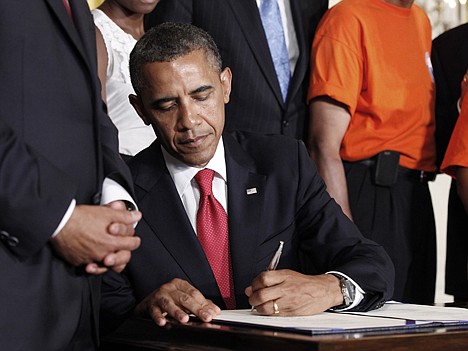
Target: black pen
column 274, row 261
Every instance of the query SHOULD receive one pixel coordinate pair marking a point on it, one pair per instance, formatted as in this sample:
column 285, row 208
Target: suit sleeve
column 446, row 99
column 114, row 166
column 117, row 301
column 34, row 195
column 330, row 241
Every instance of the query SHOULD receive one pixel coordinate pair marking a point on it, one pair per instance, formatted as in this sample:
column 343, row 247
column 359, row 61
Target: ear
column 137, row 104
column 226, row 79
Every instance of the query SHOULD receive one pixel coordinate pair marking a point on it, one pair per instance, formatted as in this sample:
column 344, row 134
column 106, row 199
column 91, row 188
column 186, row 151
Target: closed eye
column 163, row 105
column 201, row 97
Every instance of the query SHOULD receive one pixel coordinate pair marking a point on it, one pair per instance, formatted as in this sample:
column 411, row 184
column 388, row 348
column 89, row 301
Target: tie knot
column 204, row 180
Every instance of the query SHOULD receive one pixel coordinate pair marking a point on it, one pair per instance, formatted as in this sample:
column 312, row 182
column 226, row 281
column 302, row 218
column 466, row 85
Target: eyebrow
column 201, row 89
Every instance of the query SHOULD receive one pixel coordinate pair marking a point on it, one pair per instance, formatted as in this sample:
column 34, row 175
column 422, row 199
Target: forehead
column 186, row 72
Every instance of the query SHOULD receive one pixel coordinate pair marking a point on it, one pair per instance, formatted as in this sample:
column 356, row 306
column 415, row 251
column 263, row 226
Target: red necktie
column 67, row 7
column 212, row 229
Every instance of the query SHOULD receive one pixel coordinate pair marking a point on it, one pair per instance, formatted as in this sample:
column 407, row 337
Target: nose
column 188, row 116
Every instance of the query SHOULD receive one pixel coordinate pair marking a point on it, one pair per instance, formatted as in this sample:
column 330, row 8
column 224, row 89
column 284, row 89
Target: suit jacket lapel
column 248, row 17
column 86, row 31
column 84, row 47
column 302, row 63
column 245, row 204
column 167, row 218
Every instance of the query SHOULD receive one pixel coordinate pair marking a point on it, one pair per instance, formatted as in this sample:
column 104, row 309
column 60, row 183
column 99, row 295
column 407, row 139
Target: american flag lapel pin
column 251, row 191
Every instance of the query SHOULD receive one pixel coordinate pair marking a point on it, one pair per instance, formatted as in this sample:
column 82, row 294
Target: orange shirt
column 457, row 150
column 375, row 58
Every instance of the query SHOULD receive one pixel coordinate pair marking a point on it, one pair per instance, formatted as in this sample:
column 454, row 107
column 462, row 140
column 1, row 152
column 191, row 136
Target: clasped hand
column 99, row 237
column 295, row 294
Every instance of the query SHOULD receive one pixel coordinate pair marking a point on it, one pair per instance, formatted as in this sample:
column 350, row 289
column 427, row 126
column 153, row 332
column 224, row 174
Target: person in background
column 455, row 162
column 119, row 24
column 59, row 161
column 450, row 61
column 217, row 205
column 266, row 43
column 372, row 130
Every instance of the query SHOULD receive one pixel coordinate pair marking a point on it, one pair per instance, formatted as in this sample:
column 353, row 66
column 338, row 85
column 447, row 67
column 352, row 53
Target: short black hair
column 167, row 42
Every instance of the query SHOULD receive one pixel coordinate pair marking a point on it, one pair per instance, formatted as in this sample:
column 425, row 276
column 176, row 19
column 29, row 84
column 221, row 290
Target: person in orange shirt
column 455, row 162
column 450, row 61
column 372, row 130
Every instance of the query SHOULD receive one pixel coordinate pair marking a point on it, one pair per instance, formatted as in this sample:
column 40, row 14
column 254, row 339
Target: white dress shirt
column 187, row 187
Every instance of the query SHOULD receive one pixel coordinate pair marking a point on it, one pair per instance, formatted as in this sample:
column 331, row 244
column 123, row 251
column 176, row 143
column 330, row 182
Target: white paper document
column 391, row 316
column 418, row 313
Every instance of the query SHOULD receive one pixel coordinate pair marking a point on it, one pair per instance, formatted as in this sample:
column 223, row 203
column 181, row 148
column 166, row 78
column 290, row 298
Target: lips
column 193, row 142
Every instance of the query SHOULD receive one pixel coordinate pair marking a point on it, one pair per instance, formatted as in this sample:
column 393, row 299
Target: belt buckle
column 425, row 176
column 422, row 176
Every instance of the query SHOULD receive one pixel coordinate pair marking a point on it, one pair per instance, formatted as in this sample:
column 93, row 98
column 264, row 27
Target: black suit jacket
column 290, row 204
column 56, row 144
column 450, row 62
column 256, row 103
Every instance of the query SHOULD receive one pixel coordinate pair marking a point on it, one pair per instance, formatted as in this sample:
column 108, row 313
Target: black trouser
column 85, row 338
column 456, row 270
column 401, row 219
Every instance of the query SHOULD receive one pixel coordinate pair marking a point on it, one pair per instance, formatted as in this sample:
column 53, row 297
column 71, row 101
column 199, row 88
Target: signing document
column 393, row 315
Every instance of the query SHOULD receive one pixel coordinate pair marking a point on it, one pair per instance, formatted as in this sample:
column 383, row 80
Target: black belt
column 422, row 176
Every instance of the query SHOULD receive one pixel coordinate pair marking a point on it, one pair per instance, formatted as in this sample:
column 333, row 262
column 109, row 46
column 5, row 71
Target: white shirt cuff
column 65, row 218
column 359, row 292
column 112, row 191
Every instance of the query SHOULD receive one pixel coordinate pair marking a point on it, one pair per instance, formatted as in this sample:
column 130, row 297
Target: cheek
column 165, row 130
column 214, row 116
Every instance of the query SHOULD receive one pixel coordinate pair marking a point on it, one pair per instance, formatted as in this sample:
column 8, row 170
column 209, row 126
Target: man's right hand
column 177, row 299
column 93, row 238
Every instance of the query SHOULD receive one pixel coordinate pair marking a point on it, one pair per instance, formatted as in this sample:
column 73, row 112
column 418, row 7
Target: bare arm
column 329, row 121
column 102, row 62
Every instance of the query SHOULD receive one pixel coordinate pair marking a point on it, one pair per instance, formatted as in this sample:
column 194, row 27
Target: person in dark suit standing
column 266, row 190
column 58, row 158
column 257, row 104
column 450, row 62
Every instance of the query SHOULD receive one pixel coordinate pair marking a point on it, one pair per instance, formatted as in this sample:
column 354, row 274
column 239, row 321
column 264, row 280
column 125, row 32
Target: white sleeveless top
column 134, row 135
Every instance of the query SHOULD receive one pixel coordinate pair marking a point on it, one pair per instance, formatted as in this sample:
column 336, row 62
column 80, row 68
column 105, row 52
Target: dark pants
column 456, row 270
column 401, row 219
column 86, row 335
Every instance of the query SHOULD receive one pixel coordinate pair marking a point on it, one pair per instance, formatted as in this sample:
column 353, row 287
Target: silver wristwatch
column 348, row 290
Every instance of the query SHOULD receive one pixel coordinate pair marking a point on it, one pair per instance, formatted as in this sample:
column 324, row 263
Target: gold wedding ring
column 275, row 308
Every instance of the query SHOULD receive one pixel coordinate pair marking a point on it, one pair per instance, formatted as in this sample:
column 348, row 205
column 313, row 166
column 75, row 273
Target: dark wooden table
column 142, row 334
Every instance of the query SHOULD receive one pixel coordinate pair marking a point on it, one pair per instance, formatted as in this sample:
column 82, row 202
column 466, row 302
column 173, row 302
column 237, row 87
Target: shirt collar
column 182, row 174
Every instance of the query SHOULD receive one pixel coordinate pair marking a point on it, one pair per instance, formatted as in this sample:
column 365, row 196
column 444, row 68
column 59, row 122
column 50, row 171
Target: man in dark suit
column 268, row 184
column 450, row 62
column 256, row 102
column 58, row 156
